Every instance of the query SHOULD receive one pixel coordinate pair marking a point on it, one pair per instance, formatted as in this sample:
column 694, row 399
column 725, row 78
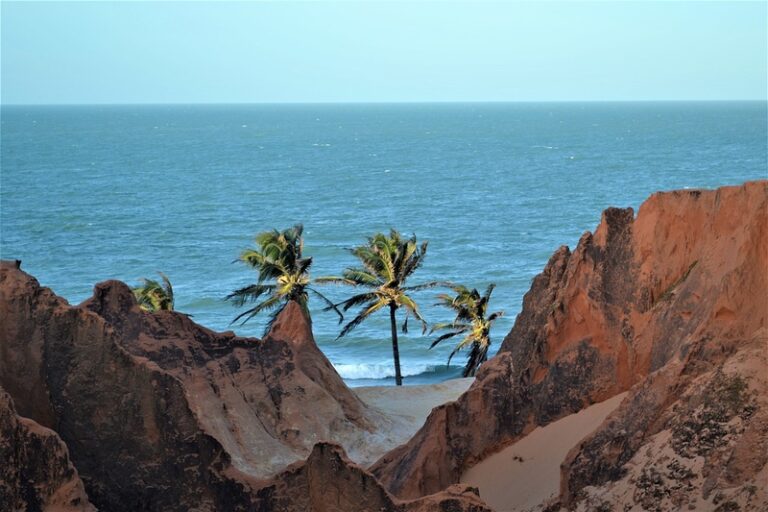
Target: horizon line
column 402, row 102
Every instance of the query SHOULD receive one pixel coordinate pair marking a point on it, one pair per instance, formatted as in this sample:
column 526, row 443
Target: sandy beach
column 405, row 408
column 526, row 474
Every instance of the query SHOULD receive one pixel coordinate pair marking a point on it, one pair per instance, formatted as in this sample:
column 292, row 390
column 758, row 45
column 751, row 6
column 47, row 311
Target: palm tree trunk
column 395, row 349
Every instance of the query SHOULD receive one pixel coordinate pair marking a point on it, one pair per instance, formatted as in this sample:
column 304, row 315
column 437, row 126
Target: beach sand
column 405, row 408
column 526, row 474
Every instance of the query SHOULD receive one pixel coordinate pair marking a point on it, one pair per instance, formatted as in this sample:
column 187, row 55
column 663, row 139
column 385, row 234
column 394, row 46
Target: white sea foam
column 379, row 370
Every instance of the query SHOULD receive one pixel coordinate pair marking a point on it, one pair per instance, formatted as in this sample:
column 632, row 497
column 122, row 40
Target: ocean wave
column 383, row 370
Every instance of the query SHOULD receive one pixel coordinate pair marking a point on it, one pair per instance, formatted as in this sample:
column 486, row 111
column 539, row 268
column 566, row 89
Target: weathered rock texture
column 159, row 413
column 660, row 304
column 691, row 436
column 327, row 482
column 35, row 471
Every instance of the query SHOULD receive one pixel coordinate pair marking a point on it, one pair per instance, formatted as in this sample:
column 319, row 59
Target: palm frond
column 153, row 296
column 370, row 260
column 283, row 272
column 415, row 261
column 334, row 280
column 470, row 308
column 445, row 337
column 489, row 291
column 478, row 354
column 167, row 287
column 450, row 325
column 250, row 293
column 359, row 299
column 362, row 277
column 427, row 286
column 411, row 305
column 303, row 264
column 271, row 303
column 466, row 341
column 361, row 317
column 329, row 304
column 495, row 315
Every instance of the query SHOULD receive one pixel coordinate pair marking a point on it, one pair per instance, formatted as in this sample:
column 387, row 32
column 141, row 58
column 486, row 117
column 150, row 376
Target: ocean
column 89, row 193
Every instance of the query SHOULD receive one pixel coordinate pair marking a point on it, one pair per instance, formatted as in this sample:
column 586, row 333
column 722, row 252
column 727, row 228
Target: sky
column 249, row 52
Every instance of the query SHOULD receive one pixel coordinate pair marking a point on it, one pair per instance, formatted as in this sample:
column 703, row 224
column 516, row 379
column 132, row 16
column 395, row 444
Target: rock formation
column 159, row 413
column 328, row 482
column 693, row 435
column 35, row 470
column 669, row 305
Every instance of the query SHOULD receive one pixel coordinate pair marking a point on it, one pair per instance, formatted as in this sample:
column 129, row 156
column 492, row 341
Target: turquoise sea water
column 90, row 193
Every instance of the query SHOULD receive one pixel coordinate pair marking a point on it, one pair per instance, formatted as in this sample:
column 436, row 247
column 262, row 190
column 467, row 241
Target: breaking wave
column 383, row 370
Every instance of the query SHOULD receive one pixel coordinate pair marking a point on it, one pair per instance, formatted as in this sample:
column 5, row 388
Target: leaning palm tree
column 387, row 262
column 471, row 321
column 283, row 276
column 153, row 296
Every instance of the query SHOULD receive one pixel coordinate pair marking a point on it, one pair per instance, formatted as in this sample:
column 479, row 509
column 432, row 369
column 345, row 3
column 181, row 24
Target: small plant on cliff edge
column 283, row 276
column 153, row 296
column 387, row 262
column 471, row 321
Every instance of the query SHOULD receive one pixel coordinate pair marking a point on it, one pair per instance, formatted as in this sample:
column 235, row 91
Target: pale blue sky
column 205, row 52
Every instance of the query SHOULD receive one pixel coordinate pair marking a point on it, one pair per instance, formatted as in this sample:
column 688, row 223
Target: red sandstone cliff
column 328, row 482
column 662, row 305
column 159, row 413
column 35, row 470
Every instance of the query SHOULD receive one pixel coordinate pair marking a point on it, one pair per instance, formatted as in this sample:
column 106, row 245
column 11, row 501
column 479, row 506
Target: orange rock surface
column 159, row 413
column 674, row 292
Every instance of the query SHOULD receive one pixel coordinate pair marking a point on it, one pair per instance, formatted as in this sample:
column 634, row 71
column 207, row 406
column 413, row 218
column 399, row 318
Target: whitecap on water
column 380, row 370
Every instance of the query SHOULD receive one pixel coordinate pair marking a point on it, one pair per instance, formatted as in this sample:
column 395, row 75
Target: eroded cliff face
column 328, row 482
column 693, row 435
column 159, row 413
column 35, row 471
column 132, row 429
column 673, row 291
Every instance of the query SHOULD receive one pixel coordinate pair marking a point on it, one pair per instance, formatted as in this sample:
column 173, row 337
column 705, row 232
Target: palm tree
column 471, row 321
column 153, row 296
column 283, row 276
column 387, row 262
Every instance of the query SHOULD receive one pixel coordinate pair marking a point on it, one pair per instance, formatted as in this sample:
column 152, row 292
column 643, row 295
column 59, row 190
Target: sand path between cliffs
column 407, row 407
column 526, row 474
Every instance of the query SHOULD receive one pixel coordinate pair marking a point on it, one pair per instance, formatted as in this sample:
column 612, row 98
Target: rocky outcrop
column 693, row 435
column 131, row 427
column 159, row 413
column 266, row 401
column 328, row 482
column 663, row 298
column 35, row 471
